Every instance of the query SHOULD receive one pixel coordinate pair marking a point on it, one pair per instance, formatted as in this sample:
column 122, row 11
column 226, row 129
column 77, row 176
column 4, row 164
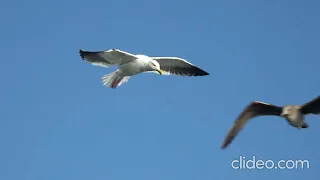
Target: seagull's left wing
column 178, row 66
column 311, row 107
column 254, row 109
column 107, row 58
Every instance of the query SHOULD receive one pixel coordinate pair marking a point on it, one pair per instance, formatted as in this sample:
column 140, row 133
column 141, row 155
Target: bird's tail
column 114, row 79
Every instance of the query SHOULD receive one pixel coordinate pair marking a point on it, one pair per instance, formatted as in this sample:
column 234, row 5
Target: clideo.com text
column 255, row 163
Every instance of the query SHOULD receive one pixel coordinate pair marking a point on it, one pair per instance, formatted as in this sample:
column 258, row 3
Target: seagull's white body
column 130, row 65
column 293, row 115
column 136, row 66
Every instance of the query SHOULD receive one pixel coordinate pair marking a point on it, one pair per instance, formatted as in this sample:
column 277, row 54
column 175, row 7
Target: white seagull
column 294, row 115
column 130, row 65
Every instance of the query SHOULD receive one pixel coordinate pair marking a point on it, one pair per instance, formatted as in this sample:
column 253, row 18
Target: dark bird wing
column 254, row 109
column 311, row 107
column 179, row 66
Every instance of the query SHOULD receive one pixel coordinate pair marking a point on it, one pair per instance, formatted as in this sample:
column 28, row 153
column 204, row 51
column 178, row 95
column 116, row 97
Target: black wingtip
column 81, row 52
column 225, row 144
column 205, row 73
column 200, row 72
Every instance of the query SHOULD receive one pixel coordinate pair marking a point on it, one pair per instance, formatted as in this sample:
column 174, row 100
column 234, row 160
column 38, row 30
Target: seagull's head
column 155, row 66
column 289, row 111
column 286, row 111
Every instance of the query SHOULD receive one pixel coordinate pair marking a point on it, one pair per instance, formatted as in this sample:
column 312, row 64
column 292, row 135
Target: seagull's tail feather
column 113, row 80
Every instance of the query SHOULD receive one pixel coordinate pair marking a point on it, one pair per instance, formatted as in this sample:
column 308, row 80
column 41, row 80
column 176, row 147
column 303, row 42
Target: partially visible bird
column 130, row 65
column 294, row 115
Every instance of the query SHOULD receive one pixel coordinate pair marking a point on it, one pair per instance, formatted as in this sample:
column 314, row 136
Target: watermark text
column 255, row 163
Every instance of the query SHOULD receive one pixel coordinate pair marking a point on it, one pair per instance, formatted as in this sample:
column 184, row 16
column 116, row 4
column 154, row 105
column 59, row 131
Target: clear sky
column 57, row 121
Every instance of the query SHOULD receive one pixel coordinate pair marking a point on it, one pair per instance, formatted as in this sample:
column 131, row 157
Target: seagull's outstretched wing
column 311, row 107
column 254, row 109
column 178, row 66
column 107, row 58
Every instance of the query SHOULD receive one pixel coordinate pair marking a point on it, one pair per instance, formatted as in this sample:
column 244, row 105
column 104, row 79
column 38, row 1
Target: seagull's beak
column 160, row 71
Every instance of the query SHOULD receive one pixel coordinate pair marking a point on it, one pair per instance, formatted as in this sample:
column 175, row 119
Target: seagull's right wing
column 254, row 109
column 179, row 66
column 107, row 58
column 311, row 107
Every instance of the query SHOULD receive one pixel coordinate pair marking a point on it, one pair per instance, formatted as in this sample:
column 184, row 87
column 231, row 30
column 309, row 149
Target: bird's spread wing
column 178, row 66
column 107, row 58
column 311, row 107
column 254, row 109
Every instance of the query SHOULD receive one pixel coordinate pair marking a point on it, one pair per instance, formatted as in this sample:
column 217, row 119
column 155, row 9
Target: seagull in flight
column 294, row 115
column 131, row 64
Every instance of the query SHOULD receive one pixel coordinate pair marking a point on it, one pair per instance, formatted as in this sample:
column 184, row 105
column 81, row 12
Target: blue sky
column 59, row 122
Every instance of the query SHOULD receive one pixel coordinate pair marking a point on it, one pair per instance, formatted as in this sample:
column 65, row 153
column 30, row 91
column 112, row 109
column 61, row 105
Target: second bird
column 294, row 115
